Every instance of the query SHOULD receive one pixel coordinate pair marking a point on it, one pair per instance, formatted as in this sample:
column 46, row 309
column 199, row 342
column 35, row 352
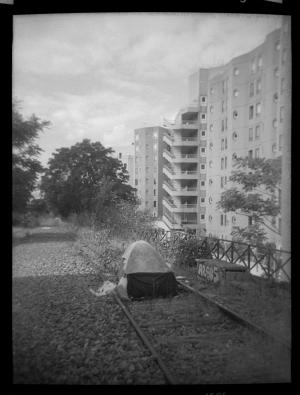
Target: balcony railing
column 169, row 153
column 170, row 186
column 183, row 206
column 187, row 156
column 169, row 202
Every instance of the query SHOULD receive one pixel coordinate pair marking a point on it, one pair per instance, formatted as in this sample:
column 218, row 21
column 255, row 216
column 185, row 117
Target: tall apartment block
column 148, row 143
column 184, row 171
column 238, row 109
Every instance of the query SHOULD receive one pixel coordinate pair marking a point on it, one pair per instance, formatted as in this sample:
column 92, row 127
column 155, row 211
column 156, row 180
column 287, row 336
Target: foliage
column 85, row 178
column 25, row 165
column 189, row 249
column 259, row 179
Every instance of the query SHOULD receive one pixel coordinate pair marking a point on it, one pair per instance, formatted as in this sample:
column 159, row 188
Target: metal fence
column 265, row 262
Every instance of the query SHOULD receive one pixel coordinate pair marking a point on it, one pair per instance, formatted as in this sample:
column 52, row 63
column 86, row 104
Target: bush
column 189, row 249
column 27, row 220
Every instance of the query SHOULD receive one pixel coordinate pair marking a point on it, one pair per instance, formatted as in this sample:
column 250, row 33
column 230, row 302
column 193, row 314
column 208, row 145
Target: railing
column 169, row 153
column 187, row 206
column 185, row 140
column 169, row 185
column 187, row 156
column 169, row 202
column 271, row 262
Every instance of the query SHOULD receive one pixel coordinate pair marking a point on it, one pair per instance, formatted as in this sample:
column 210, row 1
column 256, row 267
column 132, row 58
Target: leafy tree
column 259, row 179
column 25, row 165
column 85, row 178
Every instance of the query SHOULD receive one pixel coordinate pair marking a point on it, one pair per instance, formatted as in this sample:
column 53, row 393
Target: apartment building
column 184, row 171
column 148, row 168
column 247, row 104
column 238, row 109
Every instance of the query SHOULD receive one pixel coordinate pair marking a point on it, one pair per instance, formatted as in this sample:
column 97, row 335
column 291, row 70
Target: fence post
column 232, row 244
column 218, row 250
column 249, row 257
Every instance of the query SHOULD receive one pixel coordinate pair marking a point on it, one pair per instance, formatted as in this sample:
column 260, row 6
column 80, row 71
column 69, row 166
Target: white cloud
column 99, row 76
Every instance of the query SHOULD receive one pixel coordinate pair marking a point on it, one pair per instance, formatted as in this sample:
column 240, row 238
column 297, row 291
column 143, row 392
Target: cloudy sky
column 100, row 76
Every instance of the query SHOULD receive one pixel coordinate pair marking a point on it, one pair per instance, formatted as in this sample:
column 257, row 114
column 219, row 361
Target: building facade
column 236, row 110
column 148, row 168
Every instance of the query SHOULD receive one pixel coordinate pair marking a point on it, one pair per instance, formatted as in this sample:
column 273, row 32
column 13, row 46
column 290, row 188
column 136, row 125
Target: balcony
column 168, row 188
column 185, row 141
column 168, row 139
column 171, row 222
column 189, row 191
column 168, row 171
column 168, row 155
column 185, row 208
column 168, row 204
column 179, row 158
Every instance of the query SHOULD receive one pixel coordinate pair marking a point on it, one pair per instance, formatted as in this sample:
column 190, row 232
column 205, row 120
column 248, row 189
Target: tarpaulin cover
column 150, row 285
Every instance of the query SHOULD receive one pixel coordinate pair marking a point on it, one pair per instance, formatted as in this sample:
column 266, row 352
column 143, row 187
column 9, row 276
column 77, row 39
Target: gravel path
column 62, row 334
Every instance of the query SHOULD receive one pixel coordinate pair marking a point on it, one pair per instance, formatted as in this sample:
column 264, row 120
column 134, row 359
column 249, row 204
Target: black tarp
column 151, row 285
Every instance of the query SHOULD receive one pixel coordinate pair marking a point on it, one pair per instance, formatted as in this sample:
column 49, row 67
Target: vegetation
column 85, row 179
column 25, row 164
column 259, row 180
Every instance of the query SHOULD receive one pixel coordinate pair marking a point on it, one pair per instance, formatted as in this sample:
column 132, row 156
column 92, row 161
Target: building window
column 236, row 71
column 211, row 108
column 234, row 156
column 274, row 148
column 281, row 113
column 225, row 163
column 222, row 163
column 225, row 180
column 211, row 127
column 210, row 218
column 235, row 93
column 251, row 112
column 210, row 200
column 226, row 143
column 258, row 86
column 154, row 192
column 203, row 133
column 222, row 182
column 203, row 117
column 250, row 134
column 275, row 97
column 210, row 163
column 202, row 167
column 275, row 123
column 253, row 66
column 234, row 136
column 223, row 125
column 136, row 182
column 257, row 153
column 226, row 123
column 276, row 72
column 251, row 93
column 258, row 109
column 210, row 181
column 203, row 99
column 222, row 144
column 235, row 114
column 257, row 132
column 154, row 181
column 250, row 154
column 202, row 183
column 202, row 216
column 277, row 46
column 202, row 200
column 280, row 143
column 202, row 150
column 221, row 219
column 223, row 86
column 282, row 86
column 223, row 106
column 260, row 61
column 154, row 203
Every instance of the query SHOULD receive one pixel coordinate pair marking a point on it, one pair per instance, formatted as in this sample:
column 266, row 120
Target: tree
column 259, row 179
column 25, row 165
column 85, row 178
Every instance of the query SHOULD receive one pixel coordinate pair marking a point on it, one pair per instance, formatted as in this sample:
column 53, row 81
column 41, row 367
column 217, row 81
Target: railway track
column 197, row 340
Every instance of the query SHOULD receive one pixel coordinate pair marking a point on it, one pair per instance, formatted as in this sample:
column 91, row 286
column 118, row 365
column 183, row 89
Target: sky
column 100, row 76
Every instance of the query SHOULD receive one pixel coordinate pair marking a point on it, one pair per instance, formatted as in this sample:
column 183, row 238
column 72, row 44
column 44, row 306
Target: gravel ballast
column 62, row 334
